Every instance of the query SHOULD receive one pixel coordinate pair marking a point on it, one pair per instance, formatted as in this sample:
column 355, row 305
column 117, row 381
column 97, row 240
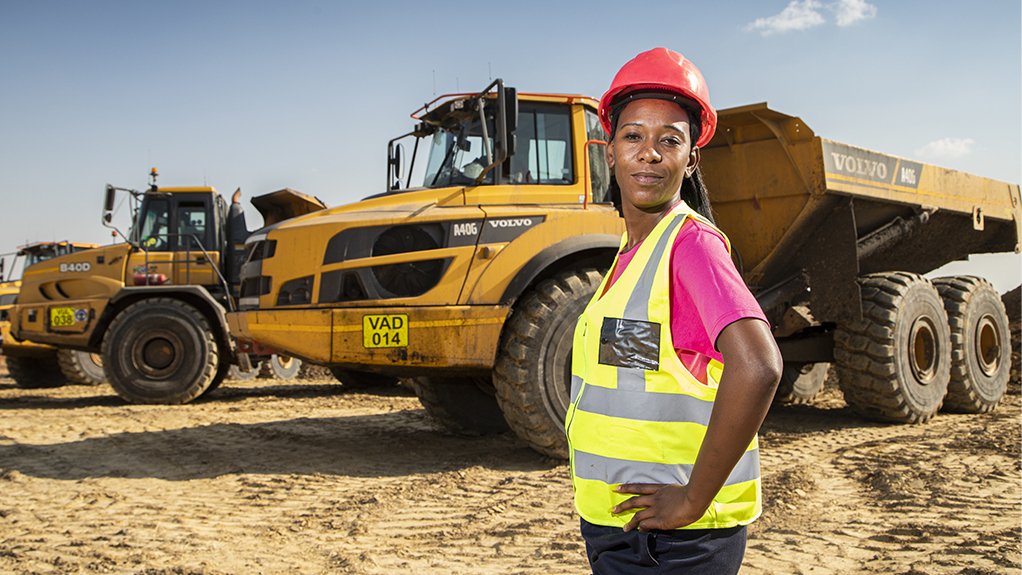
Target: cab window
column 155, row 234
column 191, row 226
column 599, row 171
column 544, row 146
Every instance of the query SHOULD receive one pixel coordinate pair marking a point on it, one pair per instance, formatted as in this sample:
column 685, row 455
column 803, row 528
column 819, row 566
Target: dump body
column 807, row 215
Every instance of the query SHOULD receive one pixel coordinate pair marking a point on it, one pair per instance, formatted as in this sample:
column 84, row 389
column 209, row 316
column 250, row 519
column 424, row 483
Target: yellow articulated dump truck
column 32, row 364
column 470, row 284
column 153, row 306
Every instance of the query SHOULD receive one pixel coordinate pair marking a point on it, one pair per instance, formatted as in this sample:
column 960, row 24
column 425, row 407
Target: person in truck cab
column 673, row 362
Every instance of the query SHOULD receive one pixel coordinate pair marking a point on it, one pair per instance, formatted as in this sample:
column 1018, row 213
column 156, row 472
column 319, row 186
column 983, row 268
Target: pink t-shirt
column 707, row 294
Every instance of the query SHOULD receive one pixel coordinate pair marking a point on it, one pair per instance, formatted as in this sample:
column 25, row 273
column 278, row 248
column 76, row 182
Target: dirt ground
column 308, row 477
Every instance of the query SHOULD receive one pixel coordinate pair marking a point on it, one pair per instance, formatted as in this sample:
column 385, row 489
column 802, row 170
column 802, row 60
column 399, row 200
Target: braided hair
column 693, row 190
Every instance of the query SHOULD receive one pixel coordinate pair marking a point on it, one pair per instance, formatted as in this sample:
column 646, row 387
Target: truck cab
column 438, row 280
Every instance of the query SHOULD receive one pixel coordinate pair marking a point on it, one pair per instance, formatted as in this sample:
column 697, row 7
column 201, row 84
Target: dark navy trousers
column 611, row 551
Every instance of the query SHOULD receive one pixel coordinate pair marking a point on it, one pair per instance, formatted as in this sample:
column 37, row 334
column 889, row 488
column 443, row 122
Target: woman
column 673, row 364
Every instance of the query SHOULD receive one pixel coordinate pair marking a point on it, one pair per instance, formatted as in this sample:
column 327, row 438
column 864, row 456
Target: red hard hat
column 664, row 70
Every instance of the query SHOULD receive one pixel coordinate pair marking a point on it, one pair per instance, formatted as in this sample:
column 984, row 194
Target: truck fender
column 594, row 250
column 197, row 296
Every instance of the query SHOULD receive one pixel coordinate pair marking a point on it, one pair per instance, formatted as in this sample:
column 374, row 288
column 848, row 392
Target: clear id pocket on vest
column 630, row 343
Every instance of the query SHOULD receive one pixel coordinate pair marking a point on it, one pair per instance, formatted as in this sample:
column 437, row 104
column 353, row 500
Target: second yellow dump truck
column 470, row 284
column 32, row 364
column 153, row 305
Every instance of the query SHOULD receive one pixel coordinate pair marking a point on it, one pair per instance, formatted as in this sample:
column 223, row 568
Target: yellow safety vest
column 637, row 415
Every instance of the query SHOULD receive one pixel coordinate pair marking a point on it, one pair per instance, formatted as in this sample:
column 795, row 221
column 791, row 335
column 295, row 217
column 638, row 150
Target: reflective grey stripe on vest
column 637, row 307
column 643, row 406
column 613, row 471
column 576, row 387
column 638, row 303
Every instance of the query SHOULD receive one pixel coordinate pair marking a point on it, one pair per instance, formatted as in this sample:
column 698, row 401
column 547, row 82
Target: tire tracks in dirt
column 309, row 478
column 357, row 484
column 859, row 497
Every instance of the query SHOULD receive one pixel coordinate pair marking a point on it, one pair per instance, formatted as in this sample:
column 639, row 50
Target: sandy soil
column 307, row 477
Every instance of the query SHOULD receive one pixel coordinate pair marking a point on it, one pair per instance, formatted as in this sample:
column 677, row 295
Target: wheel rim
column 285, row 361
column 988, row 345
column 157, row 355
column 924, row 351
column 559, row 363
column 96, row 359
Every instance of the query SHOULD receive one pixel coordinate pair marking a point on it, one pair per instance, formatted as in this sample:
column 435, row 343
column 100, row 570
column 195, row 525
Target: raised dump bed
column 833, row 239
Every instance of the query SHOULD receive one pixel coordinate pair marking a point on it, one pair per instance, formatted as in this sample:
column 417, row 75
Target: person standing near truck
column 673, row 363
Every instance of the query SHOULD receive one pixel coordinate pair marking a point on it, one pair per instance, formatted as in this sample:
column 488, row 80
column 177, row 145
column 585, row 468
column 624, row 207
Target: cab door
column 152, row 263
column 178, row 240
column 195, row 240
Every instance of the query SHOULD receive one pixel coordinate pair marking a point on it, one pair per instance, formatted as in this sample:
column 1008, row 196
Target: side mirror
column 108, row 204
column 395, row 166
column 507, row 122
column 108, row 201
column 510, row 121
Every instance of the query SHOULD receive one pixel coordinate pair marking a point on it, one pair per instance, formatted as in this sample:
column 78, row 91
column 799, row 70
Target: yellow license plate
column 385, row 331
column 62, row 316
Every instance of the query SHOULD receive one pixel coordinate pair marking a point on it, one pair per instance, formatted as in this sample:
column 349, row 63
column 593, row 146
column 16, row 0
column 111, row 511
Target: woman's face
column 651, row 154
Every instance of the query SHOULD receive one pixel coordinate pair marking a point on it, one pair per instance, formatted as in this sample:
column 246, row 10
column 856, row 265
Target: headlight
column 296, row 292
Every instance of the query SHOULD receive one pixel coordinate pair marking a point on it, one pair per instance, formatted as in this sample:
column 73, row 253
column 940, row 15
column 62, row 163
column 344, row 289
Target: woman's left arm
column 752, row 368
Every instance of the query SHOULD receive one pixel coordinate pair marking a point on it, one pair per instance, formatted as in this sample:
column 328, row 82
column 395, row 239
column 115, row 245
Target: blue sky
column 305, row 94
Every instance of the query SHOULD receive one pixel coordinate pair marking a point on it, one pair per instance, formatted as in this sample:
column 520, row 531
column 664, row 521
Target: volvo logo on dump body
column 844, row 160
column 864, row 167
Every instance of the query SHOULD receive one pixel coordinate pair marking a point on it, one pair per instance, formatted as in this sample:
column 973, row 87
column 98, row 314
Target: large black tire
column 353, row 379
column 894, row 364
column 801, row 383
column 463, row 405
column 980, row 344
column 1013, row 305
column 280, row 366
column 81, row 367
column 35, row 372
column 222, row 371
column 533, row 369
column 160, row 350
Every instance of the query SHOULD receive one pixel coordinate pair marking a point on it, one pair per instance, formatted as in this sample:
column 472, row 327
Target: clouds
column 806, row 14
column 851, row 11
column 946, row 149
